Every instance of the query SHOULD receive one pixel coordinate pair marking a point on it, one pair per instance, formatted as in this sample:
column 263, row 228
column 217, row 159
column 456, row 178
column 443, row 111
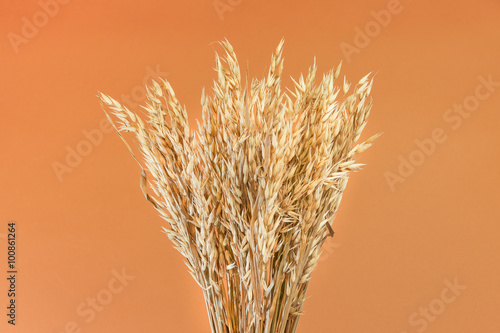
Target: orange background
column 394, row 248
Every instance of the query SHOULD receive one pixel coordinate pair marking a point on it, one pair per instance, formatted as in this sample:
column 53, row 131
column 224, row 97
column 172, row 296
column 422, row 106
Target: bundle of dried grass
column 250, row 200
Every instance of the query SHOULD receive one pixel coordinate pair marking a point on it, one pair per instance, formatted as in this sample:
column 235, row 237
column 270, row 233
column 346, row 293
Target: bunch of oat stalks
column 249, row 200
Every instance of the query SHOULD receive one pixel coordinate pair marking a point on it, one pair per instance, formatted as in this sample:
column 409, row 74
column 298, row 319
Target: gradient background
column 394, row 247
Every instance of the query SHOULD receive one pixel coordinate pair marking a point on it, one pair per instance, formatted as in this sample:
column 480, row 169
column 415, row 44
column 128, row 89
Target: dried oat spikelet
column 250, row 197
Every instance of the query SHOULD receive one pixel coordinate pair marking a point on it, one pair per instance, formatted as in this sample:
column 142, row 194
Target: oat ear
column 250, row 200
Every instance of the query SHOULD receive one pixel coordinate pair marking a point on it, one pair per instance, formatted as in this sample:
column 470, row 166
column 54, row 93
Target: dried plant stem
column 249, row 199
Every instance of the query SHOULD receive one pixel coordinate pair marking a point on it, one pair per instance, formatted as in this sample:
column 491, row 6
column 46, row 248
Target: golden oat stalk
column 249, row 199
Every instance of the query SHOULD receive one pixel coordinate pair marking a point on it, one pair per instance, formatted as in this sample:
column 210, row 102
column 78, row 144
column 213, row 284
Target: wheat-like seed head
column 249, row 200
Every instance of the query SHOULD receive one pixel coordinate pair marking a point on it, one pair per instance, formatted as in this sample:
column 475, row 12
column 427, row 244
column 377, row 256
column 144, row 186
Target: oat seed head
column 249, row 198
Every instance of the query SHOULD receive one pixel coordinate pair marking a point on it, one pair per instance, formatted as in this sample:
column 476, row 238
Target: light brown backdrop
column 403, row 233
